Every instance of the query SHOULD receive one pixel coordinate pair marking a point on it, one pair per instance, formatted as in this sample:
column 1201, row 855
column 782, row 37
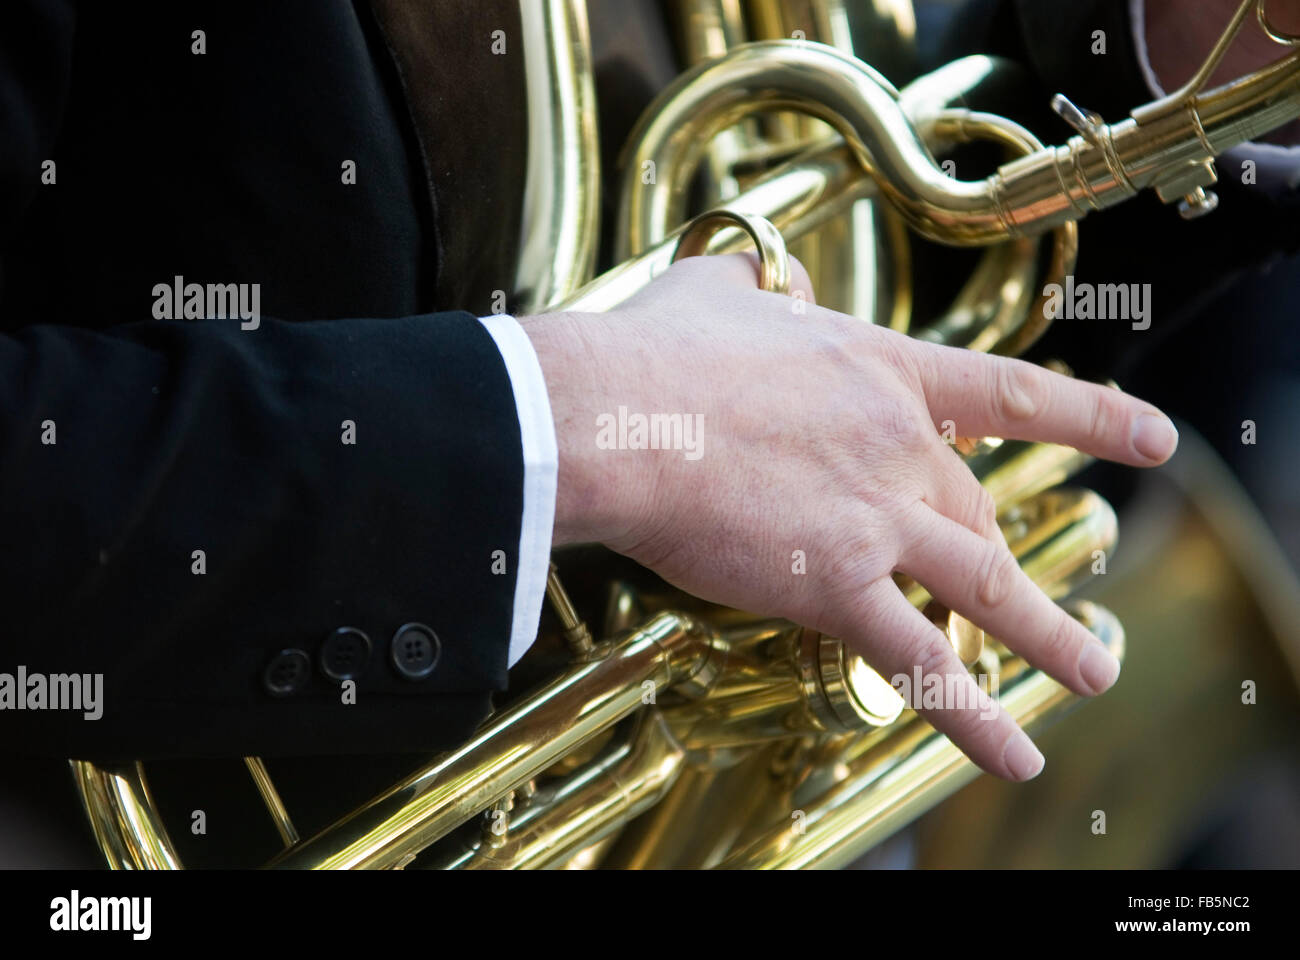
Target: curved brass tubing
column 625, row 780
column 860, row 261
column 798, row 197
column 808, row 78
column 561, row 212
column 997, row 309
column 994, row 309
column 123, row 816
column 1168, row 145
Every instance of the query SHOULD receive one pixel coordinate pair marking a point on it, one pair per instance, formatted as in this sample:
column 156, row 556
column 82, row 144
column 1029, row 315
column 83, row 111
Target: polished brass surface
column 996, row 309
column 271, row 797
column 773, row 261
column 562, row 185
column 589, row 805
column 1168, row 145
column 670, row 732
column 124, row 817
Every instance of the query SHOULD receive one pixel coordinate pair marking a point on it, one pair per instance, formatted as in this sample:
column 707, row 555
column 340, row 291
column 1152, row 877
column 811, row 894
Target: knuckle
column 899, row 353
column 1103, row 417
column 852, row 566
column 844, row 586
column 1019, row 391
column 998, row 577
column 986, row 508
column 935, row 655
column 1061, row 638
column 897, row 420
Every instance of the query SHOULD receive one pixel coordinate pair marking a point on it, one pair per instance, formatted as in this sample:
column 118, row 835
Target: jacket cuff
column 541, row 465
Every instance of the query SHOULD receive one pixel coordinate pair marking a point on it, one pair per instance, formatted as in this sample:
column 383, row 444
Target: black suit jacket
column 174, row 436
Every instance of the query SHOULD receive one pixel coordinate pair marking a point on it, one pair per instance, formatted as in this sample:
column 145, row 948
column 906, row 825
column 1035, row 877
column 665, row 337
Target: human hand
column 820, row 434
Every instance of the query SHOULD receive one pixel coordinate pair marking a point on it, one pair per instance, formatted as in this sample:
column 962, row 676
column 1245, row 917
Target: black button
column 415, row 651
column 344, row 654
column 286, row 673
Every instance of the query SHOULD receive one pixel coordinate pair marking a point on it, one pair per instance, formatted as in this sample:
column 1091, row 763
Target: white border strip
column 541, row 466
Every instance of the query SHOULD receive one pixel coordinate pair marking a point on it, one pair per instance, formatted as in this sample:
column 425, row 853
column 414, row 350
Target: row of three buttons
column 413, row 654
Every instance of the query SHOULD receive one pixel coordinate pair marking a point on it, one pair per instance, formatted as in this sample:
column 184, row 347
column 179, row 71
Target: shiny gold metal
column 683, row 734
column 576, row 633
column 124, row 817
column 1278, row 36
column 271, row 797
column 1168, row 146
column 807, row 193
column 627, row 778
column 773, row 261
column 562, row 185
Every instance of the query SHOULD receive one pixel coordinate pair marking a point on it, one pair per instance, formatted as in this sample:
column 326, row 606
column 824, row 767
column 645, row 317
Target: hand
column 820, row 434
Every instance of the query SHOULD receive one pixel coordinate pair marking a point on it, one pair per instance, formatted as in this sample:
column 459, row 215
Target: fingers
column 915, row 656
column 982, row 581
column 1000, row 397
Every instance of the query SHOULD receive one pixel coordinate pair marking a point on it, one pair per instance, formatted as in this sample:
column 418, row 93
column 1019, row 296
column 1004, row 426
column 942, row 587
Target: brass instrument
column 674, row 733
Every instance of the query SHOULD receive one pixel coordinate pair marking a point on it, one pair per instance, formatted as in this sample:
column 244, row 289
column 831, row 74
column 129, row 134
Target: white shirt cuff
column 1277, row 167
column 541, row 465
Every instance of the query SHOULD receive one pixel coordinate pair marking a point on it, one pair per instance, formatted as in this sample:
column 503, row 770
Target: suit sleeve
column 299, row 538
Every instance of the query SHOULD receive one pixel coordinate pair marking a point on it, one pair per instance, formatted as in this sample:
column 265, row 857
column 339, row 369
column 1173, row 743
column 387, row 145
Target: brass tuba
column 670, row 732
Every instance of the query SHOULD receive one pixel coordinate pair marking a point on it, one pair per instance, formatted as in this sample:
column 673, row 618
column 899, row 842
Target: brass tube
column 1015, row 470
column 698, row 822
column 812, row 79
column 560, row 225
column 123, row 816
column 271, row 797
column 796, row 197
column 1166, row 145
column 811, row 191
column 1154, row 148
column 593, row 802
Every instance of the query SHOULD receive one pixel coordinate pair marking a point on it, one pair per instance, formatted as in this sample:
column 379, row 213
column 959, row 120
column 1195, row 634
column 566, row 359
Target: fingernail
column 1154, row 437
column 1022, row 758
column 1098, row 667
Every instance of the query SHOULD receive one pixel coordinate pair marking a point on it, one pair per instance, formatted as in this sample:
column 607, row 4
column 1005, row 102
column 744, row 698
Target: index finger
column 989, row 396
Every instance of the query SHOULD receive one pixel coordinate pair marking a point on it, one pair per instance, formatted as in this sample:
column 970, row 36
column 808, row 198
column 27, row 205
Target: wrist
column 601, row 496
